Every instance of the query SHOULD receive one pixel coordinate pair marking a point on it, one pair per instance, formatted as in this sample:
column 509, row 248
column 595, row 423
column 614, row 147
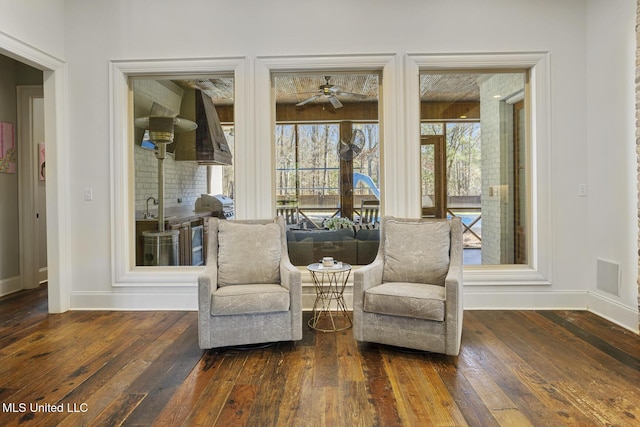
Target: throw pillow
column 248, row 253
column 416, row 252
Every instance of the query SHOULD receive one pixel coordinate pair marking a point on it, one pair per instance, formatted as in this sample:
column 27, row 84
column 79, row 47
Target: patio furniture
column 369, row 212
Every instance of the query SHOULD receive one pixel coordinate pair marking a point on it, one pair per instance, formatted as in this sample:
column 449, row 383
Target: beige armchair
column 249, row 292
column 411, row 295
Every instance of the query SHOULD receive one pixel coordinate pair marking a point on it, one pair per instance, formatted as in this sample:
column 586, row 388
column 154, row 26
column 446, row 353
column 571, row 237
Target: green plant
column 336, row 223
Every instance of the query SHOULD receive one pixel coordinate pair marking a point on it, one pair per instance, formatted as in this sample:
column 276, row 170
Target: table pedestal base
column 329, row 309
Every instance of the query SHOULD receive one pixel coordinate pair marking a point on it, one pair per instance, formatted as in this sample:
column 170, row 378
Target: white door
column 32, row 186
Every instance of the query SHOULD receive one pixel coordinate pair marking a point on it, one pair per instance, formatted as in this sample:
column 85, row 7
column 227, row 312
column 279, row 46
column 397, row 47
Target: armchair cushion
column 248, row 253
column 249, row 299
column 416, row 252
column 405, row 299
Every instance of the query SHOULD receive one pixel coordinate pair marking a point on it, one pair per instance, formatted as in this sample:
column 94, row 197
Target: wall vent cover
column 609, row 276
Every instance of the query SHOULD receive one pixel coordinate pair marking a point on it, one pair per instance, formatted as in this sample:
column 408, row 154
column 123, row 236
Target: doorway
column 434, row 176
column 52, row 76
column 32, row 186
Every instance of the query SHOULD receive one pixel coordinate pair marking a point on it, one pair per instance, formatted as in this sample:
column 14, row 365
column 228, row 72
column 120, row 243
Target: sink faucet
column 147, row 215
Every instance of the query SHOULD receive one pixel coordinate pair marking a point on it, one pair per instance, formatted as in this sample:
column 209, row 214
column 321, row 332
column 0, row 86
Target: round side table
column 329, row 283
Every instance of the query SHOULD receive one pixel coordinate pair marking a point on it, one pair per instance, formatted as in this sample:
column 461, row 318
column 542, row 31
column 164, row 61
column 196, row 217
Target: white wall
column 101, row 31
column 36, row 23
column 611, row 205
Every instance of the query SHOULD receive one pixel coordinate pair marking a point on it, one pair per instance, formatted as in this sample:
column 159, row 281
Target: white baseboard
column 188, row 301
column 600, row 305
column 613, row 311
column 604, row 307
column 309, row 297
column 525, row 300
column 10, row 285
column 135, row 301
column 43, row 275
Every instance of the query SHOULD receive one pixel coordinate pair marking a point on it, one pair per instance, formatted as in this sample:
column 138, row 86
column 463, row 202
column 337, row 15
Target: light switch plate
column 582, row 190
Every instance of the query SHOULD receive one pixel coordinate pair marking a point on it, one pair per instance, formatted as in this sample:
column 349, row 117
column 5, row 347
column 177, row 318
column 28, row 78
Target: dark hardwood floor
column 516, row 368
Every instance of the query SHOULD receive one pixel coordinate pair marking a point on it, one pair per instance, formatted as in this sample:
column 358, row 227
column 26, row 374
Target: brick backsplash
column 183, row 180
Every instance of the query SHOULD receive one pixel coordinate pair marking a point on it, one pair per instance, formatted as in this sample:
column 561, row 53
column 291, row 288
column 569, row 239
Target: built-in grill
column 227, row 206
column 219, row 205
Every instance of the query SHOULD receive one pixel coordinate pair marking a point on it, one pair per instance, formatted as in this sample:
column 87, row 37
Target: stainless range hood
column 207, row 145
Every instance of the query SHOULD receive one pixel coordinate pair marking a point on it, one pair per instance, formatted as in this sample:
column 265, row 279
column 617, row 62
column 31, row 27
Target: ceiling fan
column 330, row 92
column 348, row 151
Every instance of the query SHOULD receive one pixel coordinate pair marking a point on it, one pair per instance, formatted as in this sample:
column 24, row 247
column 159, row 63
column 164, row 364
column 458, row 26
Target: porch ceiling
column 293, row 88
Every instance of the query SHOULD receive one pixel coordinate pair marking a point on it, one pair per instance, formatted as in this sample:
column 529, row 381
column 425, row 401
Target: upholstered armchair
column 249, row 292
column 411, row 294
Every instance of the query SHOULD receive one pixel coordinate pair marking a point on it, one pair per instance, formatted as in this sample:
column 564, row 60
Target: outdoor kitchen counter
column 183, row 219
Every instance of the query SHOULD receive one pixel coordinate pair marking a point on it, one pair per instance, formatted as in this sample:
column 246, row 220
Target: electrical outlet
column 582, row 190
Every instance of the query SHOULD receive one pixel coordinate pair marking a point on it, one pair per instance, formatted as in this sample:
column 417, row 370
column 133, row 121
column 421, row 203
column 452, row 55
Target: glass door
column 433, row 176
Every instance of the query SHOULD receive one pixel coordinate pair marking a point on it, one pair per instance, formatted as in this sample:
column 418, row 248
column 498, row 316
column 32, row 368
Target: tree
column 463, row 159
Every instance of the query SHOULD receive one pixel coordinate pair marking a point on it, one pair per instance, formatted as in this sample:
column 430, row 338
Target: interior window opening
column 474, row 161
column 183, row 161
column 327, row 164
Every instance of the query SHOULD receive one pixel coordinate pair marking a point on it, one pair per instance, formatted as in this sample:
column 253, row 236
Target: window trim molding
column 391, row 91
column 539, row 271
column 124, row 273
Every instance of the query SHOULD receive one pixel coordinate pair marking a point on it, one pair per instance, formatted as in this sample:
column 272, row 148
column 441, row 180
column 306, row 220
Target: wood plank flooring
column 516, row 368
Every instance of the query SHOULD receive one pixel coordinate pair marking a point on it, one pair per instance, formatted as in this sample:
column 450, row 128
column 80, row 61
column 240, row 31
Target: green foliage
column 337, row 223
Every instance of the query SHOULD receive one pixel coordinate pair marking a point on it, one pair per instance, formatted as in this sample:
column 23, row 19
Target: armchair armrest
column 363, row 279
column 207, row 284
column 289, row 274
column 368, row 276
column 453, row 284
column 454, row 308
column 291, row 278
column 208, row 279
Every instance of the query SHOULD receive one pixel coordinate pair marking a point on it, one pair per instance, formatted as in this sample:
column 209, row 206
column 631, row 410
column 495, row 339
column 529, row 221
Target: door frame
column 55, row 87
column 519, row 185
column 28, row 209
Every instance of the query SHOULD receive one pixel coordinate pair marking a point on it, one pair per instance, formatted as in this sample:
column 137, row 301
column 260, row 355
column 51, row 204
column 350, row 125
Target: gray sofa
column 351, row 245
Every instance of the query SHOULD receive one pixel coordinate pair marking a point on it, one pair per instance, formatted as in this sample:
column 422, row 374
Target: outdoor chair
column 369, row 212
column 291, row 216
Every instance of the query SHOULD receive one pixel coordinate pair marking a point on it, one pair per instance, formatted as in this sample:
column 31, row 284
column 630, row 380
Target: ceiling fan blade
column 357, row 138
column 352, row 95
column 335, row 102
column 308, row 100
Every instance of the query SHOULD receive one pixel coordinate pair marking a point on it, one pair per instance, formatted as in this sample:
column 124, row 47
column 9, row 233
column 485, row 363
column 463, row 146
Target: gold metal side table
column 329, row 308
